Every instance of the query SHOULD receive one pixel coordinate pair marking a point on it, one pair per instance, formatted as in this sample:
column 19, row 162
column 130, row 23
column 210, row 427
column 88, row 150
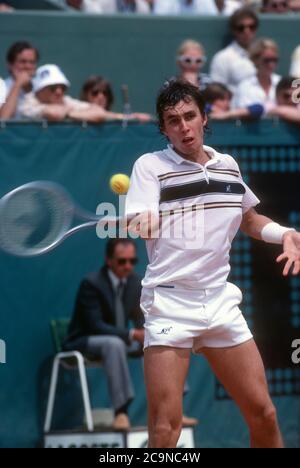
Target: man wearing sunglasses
column 107, row 301
column 232, row 65
column 275, row 6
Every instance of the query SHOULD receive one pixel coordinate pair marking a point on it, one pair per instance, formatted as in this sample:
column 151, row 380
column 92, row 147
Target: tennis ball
column 119, row 183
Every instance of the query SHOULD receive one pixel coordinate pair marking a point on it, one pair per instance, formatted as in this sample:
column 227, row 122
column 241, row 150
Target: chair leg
column 85, row 394
column 51, row 396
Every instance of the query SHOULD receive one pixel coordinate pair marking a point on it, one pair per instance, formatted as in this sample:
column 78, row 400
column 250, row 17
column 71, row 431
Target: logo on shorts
column 165, row 331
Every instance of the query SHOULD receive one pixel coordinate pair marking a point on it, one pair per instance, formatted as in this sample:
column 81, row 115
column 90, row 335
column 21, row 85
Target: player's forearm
column 263, row 228
column 253, row 224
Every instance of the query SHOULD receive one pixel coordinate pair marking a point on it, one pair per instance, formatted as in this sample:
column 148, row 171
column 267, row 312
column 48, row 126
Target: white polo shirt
column 206, row 201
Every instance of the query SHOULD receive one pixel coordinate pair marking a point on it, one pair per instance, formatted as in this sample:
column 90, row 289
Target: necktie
column 119, row 308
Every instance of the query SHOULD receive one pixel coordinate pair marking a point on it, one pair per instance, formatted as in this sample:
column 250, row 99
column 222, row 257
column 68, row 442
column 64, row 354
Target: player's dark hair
column 112, row 245
column 174, row 91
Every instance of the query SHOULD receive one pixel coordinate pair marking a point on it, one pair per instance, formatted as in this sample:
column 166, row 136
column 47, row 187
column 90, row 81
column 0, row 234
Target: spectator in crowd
column 177, row 7
column 49, row 100
column 22, row 60
column 232, row 65
column 94, row 6
column 218, row 104
column 2, row 93
column 295, row 63
column 106, row 301
column 288, row 100
column 134, row 6
column 111, row 6
column 261, row 88
column 190, row 59
column 228, row 7
column 4, row 8
column 275, row 6
column 98, row 91
column 294, row 5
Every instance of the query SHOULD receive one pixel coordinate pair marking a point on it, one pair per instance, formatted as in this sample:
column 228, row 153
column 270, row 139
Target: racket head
column 34, row 218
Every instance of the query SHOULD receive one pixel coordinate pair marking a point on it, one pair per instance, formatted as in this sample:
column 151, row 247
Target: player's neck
column 199, row 157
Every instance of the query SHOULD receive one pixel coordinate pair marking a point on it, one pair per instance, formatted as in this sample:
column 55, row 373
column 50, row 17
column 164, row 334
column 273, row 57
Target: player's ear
column 205, row 120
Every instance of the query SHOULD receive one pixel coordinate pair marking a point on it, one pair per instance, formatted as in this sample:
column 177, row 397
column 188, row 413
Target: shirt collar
column 214, row 158
column 114, row 279
column 239, row 49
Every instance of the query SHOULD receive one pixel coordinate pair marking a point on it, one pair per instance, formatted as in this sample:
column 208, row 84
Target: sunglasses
column 96, row 92
column 53, row 88
column 191, row 60
column 123, row 261
column 279, row 5
column 268, row 60
column 241, row 27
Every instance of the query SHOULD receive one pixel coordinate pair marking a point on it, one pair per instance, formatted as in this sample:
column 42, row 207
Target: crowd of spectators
column 172, row 7
column 242, row 81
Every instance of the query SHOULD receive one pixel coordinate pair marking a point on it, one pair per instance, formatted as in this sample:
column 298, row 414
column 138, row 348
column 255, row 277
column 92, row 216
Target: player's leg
column 165, row 373
column 241, row 371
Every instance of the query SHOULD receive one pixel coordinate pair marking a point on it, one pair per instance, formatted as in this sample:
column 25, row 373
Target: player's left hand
column 291, row 253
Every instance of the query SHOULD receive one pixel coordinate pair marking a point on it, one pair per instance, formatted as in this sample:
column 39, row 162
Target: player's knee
column 165, row 433
column 263, row 415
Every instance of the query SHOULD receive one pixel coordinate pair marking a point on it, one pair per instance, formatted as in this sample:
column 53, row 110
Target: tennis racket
column 38, row 216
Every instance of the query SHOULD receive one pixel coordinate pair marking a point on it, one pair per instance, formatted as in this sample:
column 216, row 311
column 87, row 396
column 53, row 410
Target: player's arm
column 142, row 200
column 263, row 228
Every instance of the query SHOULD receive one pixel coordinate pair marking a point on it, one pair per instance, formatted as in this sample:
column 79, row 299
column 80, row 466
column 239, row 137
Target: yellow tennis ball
column 119, row 183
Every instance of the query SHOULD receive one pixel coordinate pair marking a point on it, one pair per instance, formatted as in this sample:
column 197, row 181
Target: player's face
column 184, row 127
column 123, row 260
column 26, row 61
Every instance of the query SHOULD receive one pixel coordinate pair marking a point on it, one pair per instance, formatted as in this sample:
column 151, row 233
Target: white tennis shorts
column 193, row 318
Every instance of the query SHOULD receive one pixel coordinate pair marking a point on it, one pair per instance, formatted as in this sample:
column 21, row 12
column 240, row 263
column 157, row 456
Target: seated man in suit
column 106, row 301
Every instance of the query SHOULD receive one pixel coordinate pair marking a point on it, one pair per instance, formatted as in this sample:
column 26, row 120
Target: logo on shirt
column 228, row 188
column 165, row 331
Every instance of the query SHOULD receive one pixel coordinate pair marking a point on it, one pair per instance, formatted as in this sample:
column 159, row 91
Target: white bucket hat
column 48, row 75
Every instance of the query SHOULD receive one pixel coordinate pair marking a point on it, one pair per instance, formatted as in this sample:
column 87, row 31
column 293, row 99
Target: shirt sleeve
column 31, row 108
column 144, row 191
column 249, row 198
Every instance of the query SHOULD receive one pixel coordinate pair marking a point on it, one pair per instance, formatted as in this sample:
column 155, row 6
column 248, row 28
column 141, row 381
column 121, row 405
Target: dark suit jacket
column 94, row 312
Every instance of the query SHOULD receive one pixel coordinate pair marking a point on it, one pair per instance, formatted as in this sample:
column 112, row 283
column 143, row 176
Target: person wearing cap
column 49, row 100
column 21, row 60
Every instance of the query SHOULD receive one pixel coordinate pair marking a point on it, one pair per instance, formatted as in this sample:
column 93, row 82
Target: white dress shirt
column 231, row 65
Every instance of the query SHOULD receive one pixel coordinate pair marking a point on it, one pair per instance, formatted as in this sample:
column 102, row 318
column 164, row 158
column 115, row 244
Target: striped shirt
column 202, row 207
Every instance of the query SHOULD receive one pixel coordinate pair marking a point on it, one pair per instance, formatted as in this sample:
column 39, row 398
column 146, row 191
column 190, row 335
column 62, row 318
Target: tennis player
column 187, row 301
